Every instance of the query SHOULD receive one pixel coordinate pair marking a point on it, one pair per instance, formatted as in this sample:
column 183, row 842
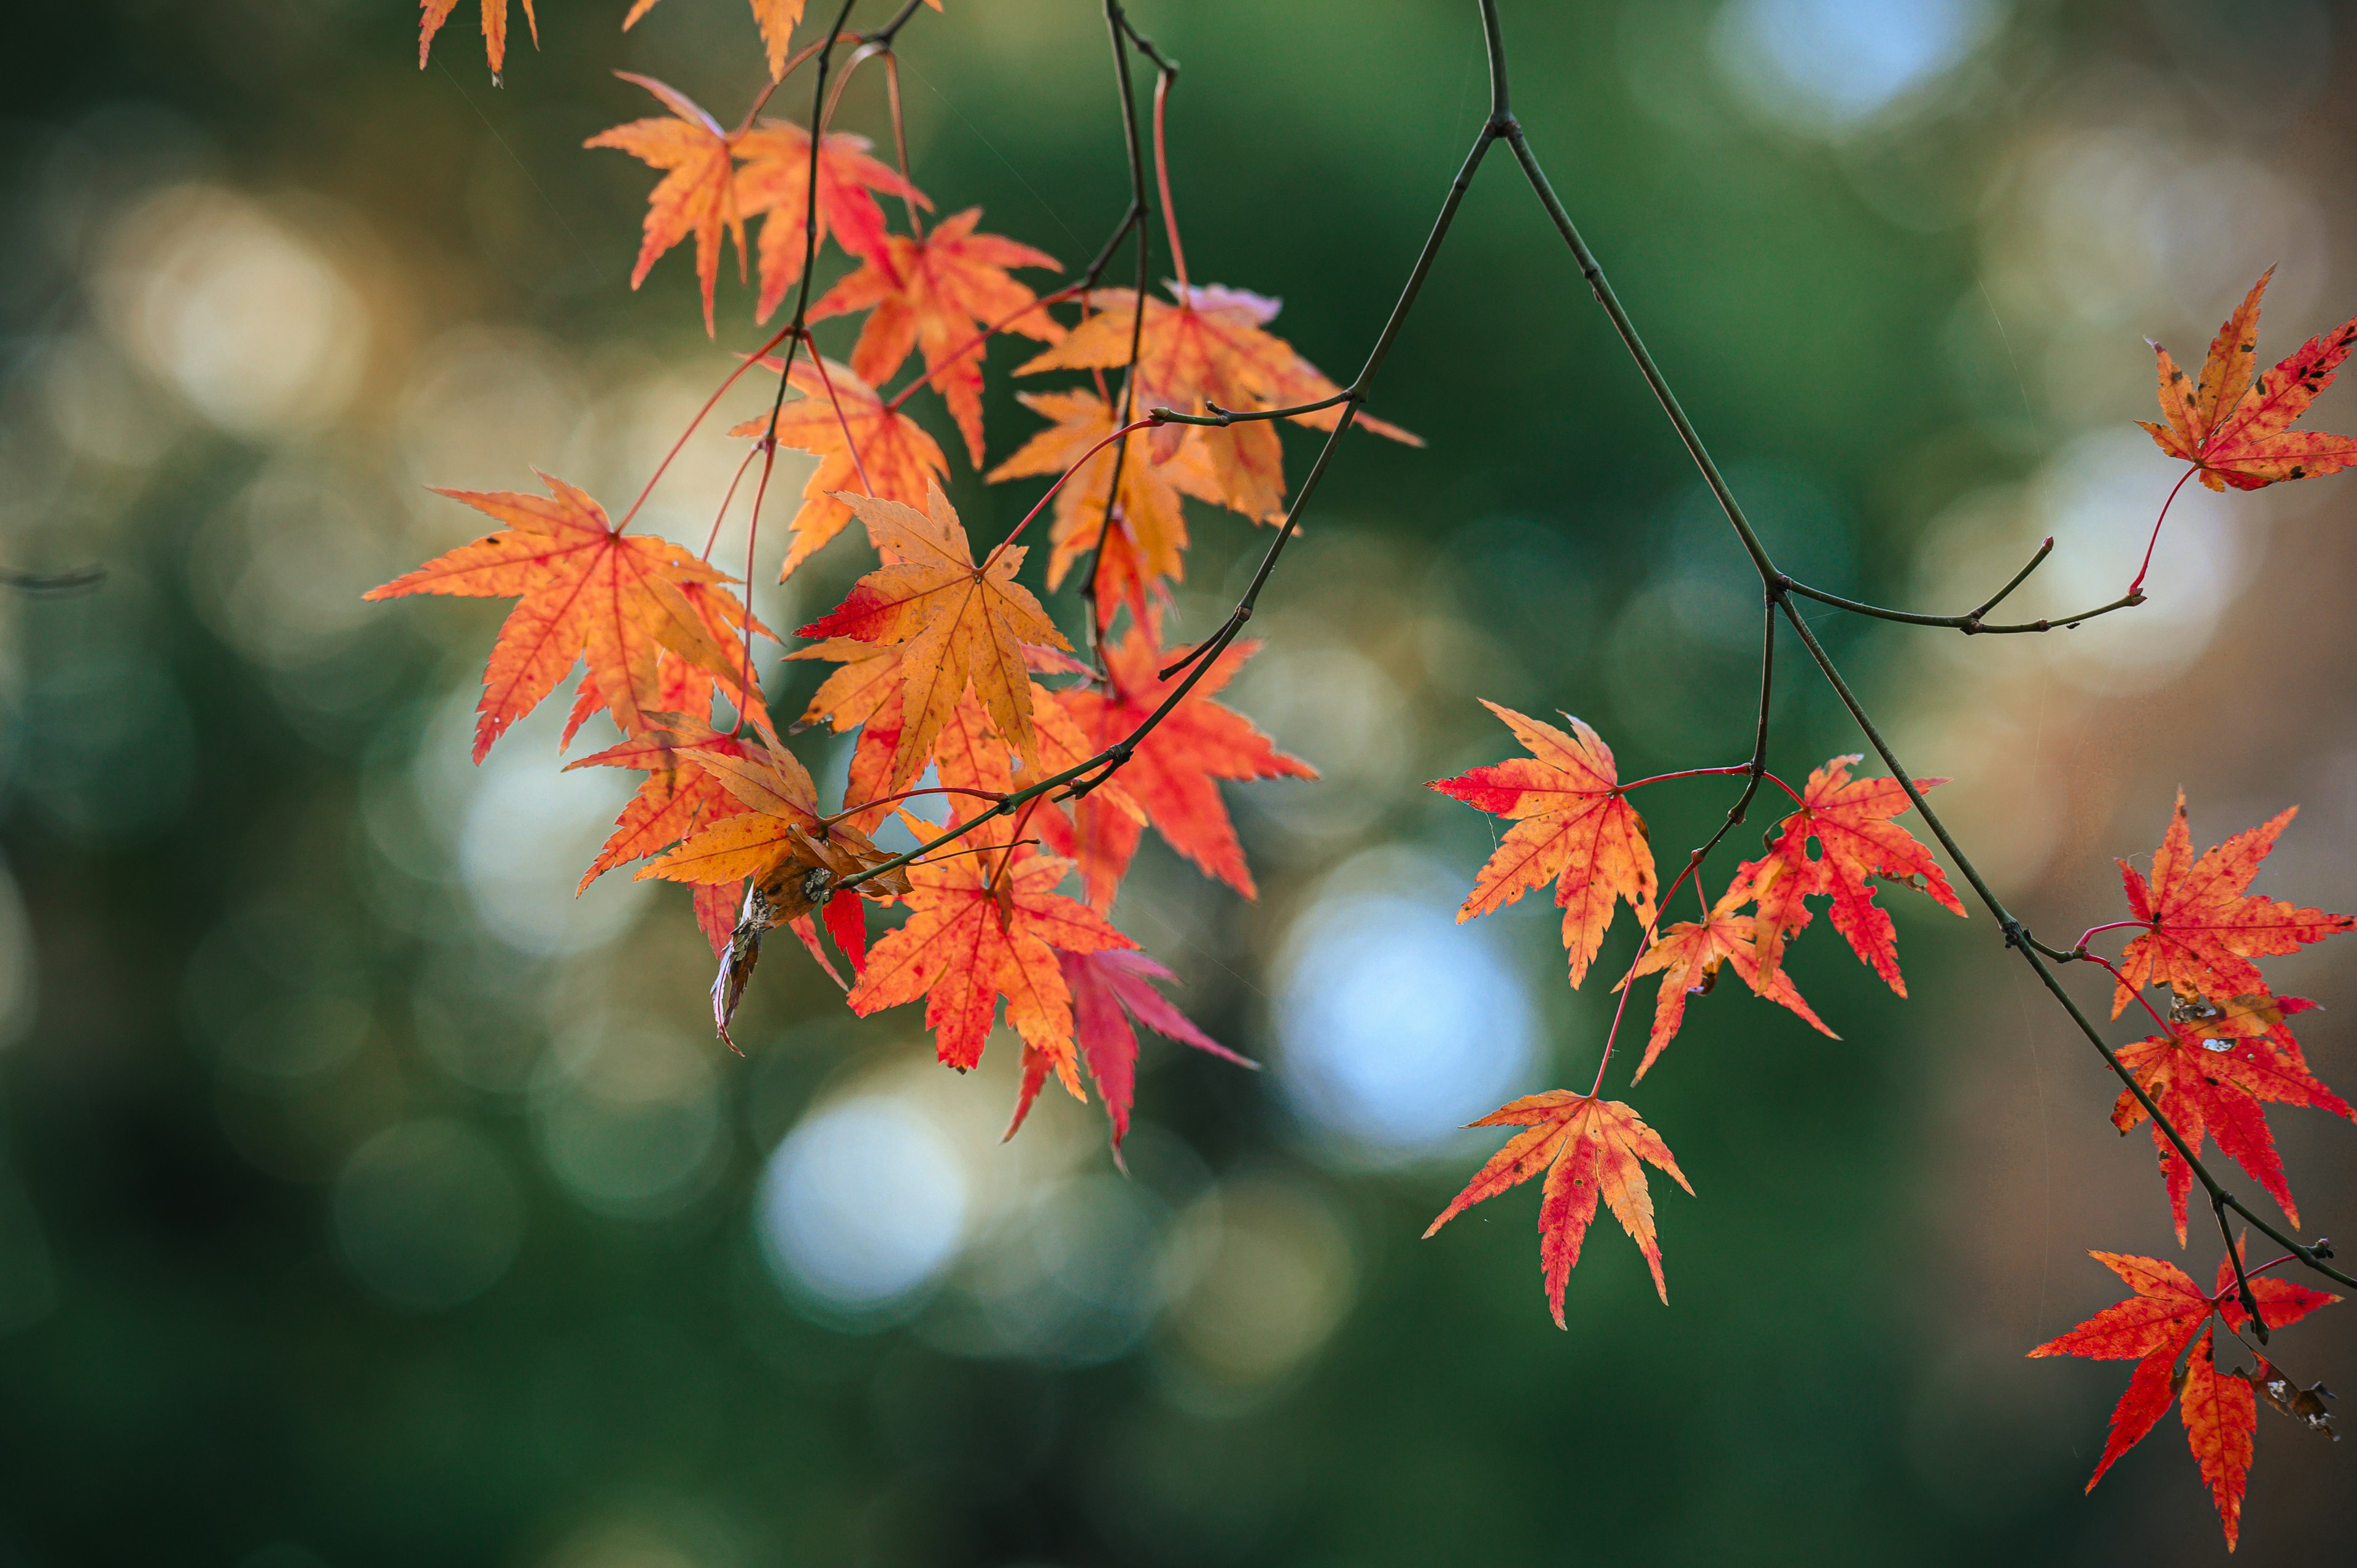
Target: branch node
column 2016, row 935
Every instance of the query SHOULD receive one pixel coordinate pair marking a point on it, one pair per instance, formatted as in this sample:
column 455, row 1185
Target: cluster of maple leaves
column 945, row 667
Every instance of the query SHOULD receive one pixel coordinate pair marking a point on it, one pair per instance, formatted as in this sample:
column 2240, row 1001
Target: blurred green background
column 366, row 1200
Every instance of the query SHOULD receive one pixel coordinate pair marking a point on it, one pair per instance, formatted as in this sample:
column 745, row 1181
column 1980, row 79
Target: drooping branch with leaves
column 1050, row 761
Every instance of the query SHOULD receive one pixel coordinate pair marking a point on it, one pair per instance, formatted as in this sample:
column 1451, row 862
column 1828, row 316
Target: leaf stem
column 2149, row 544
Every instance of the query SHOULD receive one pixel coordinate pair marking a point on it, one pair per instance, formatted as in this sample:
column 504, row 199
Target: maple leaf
column 1146, row 543
column 2204, row 929
column 1588, row 1146
column 936, row 293
column 776, row 18
column 1171, row 775
column 957, row 623
column 495, row 29
column 776, row 180
column 982, row 927
column 1689, row 957
column 1850, row 818
column 584, row 588
column 1572, row 825
column 887, row 455
column 793, row 858
column 2211, row 1086
column 1112, row 990
column 2153, row 1327
column 2237, row 434
column 697, row 193
column 677, row 798
column 1209, row 348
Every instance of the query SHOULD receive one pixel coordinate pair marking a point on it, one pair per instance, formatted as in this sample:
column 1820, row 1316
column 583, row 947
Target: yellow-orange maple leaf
column 1209, row 348
column 936, row 294
column 776, row 18
column 1572, row 825
column 2237, row 434
column 1145, row 545
column 1589, row 1147
column 677, row 798
column 585, row 589
column 495, row 28
column 898, row 460
column 958, row 622
column 697, row 193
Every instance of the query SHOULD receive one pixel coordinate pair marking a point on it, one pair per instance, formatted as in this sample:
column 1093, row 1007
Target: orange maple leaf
column 936, row 293
column 1572, row 825
column 495, row 29
column 1689, row 957
column 2204, row 929
column 584, row 587
column 1586, row 1146
column 1851, row 820
column 776, row 180
column 1171, row 774
column 2211, row 1085
column 1147, row 543
column 697, row 193
column 982, row 927
column 2153, row 1327
column 887, row 455
column 1209, row 348
column 957, row 623
column 1112, row 990
column 776, row 18
column 677, row 799
column 2240, row 435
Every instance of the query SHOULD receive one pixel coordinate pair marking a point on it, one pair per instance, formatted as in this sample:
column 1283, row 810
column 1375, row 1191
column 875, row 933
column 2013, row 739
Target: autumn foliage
column 1028, row 760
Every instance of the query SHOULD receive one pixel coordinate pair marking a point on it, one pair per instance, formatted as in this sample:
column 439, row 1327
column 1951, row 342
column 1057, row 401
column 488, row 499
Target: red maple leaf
column 936, row 293
column 2240, row 435
column 1689, row 957
column 1589, row 1147
column 1172, row 776
column 584, row 589
column 984, row 926
column 1111, row 990
column 1850, row 818
column 776, row 180
column 2204, row 929
column 1572, row 826
column 2211, row 1085
column 2153, row 1327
